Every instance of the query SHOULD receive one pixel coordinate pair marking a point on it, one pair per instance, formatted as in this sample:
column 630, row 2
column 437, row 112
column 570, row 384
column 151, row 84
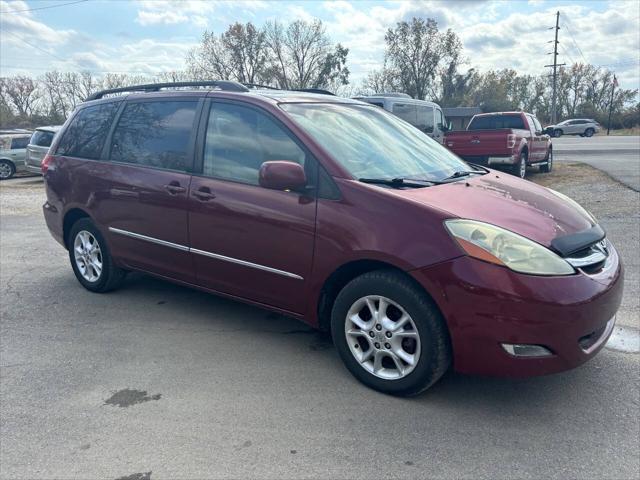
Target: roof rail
column 314, row 90
column 226, row 85
column 257, row 85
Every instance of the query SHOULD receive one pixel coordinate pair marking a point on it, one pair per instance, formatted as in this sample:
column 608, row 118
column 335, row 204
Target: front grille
column 591, row 259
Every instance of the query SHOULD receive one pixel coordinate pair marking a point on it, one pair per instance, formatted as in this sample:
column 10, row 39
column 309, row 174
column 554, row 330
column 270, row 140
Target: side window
column 440, row 119
column 537, row 124
column 87, row 132
column 240, row 139
column 155, row 134
column 406, row 112
column 424, row 118
column 19, row 143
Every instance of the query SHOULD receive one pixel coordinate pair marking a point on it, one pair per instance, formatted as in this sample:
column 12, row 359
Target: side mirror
column 282, row 175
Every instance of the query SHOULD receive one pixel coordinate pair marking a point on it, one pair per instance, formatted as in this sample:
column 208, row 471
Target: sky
column 150, row 36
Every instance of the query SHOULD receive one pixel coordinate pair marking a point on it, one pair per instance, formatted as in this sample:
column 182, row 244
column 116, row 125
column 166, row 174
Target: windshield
column 371, row 143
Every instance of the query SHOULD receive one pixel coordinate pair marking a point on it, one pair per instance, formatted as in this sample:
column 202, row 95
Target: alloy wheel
column 88, row 256
column 5, row 170
column 382, row 337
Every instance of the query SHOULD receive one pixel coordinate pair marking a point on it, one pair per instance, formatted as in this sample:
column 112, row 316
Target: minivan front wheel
column 389, row 334
column 90, row 258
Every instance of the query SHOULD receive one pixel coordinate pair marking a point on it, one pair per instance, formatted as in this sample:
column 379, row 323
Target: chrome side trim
column 204, row 253
column 157, row 241
column 245, row 263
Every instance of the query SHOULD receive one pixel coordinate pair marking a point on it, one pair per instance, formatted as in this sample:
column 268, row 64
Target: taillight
column 511, row 140
column 46, row 161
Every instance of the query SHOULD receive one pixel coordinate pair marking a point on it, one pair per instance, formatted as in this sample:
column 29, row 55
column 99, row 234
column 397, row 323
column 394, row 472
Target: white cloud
column 197, row 12
column 23, row 25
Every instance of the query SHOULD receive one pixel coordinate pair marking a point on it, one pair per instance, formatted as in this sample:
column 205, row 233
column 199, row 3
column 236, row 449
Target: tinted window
column 19, row 143
column 493, row 122
column 240, row 139
column 41, row 138
column 424, row 118
column 88, row 131
column 157, row 134
column 408, row 113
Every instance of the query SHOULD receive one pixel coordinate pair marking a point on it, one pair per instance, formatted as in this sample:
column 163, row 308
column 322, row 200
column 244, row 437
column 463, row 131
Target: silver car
column 39, row 146
column 585, row 127
column 13, row 148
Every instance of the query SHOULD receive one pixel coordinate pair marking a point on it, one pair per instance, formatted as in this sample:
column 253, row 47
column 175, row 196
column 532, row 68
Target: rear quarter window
column 87, row 132
column 19, row 143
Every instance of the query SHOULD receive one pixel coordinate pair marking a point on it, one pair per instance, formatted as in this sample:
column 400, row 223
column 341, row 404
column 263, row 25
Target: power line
column 10, row 12
column 565, row 24
column 36, row 47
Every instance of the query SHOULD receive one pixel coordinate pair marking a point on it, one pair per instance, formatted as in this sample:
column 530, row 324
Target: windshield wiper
column 399, row 182
column 462, row 173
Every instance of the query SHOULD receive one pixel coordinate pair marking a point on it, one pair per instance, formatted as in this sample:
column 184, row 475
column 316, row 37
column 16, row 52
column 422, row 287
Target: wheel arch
column 71, row 217
column 342, row 275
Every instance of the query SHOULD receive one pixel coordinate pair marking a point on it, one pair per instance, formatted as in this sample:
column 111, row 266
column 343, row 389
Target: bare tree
column 302, row 56
column 20, row 92
column 238, row 54
column 417, row 50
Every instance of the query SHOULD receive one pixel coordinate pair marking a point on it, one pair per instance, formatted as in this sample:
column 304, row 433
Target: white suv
column 585, row 127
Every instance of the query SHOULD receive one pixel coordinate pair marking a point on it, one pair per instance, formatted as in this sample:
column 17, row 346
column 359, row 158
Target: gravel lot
column 158, row 381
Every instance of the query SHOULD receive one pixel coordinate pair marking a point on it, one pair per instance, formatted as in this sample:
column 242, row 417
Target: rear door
column 147, row 181
column 438, row 133
column 246, row 240
column 425, row 118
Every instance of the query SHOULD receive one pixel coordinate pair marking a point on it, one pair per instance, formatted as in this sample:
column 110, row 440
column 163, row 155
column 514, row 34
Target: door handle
column 204, row 194
column 174, row 188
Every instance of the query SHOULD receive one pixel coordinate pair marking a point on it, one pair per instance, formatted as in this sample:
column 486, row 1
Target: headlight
column 502, row 247
column 575, row 205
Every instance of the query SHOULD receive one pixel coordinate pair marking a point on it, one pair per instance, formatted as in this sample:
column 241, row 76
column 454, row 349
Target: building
column 460, row 116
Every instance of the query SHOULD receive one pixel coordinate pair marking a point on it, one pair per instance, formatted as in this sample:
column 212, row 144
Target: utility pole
column 613, row 88
column 555, row 66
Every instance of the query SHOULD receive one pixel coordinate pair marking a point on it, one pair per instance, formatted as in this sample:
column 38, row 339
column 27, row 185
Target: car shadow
column 526, row 396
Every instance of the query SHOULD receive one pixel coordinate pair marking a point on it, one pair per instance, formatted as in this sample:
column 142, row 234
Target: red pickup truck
column 508, row 139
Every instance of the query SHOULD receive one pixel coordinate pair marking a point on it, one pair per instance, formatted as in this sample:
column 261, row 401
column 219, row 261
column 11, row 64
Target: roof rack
column 226, row 85
column 314, row 90
column 307, row 90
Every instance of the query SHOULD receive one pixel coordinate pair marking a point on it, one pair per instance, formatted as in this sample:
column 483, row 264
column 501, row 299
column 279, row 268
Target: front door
column 144, row 208
column 246, row 240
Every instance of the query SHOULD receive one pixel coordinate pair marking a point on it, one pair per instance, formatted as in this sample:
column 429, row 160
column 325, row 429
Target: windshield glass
column 371, row 143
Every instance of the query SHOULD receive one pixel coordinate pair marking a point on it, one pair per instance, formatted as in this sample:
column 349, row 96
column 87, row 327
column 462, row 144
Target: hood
column 508, row 202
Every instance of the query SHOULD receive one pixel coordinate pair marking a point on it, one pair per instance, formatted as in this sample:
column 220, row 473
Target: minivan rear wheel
column 7, row 169
column 389, row 333
column 90, row 258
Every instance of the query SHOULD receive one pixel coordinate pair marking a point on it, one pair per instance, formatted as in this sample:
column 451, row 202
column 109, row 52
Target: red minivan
column 338, row 213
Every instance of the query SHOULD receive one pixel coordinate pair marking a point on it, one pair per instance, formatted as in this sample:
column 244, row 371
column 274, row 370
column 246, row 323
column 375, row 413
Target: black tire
column 557, row 133
column 546, row 168
column 589, row 132
column 7, row 169
column 518, row 170
column 111, row 276
column 435, row 348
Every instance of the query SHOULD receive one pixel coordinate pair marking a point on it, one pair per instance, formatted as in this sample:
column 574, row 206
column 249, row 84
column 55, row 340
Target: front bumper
column 486, row 306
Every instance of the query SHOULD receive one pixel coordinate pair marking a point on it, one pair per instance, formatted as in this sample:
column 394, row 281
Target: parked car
column 426, row 116
column 511, row 140
column 337, row 213
column 39, row 146
column 585, row 127
column 13, row 149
